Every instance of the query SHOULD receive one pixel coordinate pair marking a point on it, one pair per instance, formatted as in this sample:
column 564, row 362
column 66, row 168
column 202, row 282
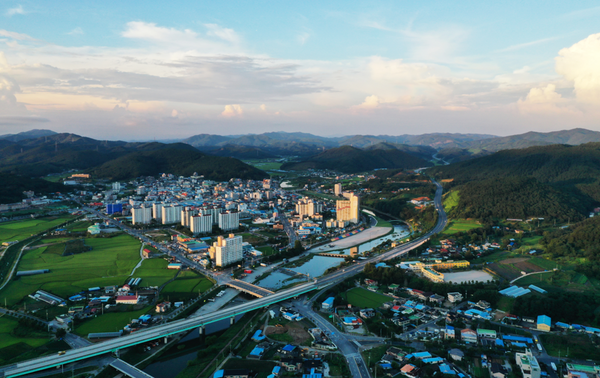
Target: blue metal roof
column 257, row 351
column 446, row 369
column 544, row 319
column 219, row 374
column 289, row 348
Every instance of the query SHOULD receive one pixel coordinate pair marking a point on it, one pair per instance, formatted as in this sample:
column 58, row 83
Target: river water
column 175, row 360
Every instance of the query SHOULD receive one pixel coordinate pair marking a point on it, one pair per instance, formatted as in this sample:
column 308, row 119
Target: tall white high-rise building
column 201, row 224
column 348, row 210
column 227, row 251
column 337, row 189
column 229, row 220
column 171, row 214
column 308, row 207
column 157, row 211
column 141, row 215
column 186, row 214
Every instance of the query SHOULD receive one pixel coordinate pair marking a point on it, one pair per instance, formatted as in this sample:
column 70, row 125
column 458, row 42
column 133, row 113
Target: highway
column 153, row 333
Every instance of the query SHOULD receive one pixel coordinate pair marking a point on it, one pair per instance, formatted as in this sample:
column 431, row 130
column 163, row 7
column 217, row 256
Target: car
column 62, row 352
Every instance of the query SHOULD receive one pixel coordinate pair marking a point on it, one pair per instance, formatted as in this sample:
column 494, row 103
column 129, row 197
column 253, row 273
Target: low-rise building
column 530, row 368
column 544, row 323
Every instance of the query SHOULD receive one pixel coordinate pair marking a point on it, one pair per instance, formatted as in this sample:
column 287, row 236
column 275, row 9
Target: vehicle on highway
column 62, row 352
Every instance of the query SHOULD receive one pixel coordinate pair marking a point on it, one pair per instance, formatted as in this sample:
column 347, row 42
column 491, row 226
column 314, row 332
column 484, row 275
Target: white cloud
column 580, row 64
column 371, row 102
column 233, row 110
column 174, row 113
column 544, row 100
column 76, row 31
column 303, row 37
column 17, row 36
column 16, row 10
column 226, row 34
column 263, row 107
column 151, row 32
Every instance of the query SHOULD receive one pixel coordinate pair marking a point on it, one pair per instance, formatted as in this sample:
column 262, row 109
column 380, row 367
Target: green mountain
column 13, row 186
column 61, row 152
column 241, row 152
column 349, row 159
column 31, row 134
column 179, row 159
column 559, row 181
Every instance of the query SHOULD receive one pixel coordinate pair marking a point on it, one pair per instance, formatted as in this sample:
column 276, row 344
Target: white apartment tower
column 171, row 214
column 337, row 189
column 157, row 211
column 229, row 220
column 307, row 207
column 201, row 224
column 141, row 215
column 227, row 251
column 348, row 210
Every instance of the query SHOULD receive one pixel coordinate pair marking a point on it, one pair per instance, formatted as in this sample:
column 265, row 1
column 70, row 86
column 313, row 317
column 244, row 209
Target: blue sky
column 181, row 68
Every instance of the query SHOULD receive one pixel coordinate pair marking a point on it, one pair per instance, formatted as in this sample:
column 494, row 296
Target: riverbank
column 351, row 241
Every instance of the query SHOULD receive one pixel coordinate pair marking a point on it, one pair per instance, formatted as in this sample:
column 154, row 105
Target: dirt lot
column 295, row 330
column 512, row 268
column 506, row 271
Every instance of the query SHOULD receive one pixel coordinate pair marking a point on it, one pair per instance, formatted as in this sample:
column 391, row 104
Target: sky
column 167, row 70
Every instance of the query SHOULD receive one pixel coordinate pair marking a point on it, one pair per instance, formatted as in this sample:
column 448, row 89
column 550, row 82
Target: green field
column 571, row 346
column 188, row 282
column 20, row 230
column 111, row 322
column 451, row 200
column 154, row 272
column 267, row 250
column 109, row 263
column 460, row 225
column 561, row 280
column 6, row 338
column 383, row 223
column 363, row 298
column 544, row 263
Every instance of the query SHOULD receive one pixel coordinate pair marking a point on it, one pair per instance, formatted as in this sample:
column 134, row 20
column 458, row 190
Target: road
column 344, row 342
column 139, row 337
column 287, row 227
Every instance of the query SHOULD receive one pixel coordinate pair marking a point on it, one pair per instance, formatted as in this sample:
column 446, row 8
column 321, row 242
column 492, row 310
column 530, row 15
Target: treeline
column 582, row 240
column 13, row 186
column 560, row 306
column 517, row 197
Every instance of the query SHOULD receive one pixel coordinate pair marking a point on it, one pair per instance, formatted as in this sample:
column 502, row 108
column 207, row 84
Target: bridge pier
column 165, row 339
column 232, row 320
column 201, row 330
column 116, row 353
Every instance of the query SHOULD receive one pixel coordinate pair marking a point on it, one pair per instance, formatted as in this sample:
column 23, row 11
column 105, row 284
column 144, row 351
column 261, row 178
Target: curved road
column 153, row 333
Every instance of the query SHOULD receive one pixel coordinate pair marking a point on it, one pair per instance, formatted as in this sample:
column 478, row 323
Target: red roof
column 127, row 297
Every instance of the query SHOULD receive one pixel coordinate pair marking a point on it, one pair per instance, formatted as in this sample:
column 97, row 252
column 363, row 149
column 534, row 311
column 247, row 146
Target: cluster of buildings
column 193, row 202
column 430, row 270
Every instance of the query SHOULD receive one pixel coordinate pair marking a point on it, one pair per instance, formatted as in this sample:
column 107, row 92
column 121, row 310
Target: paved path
column 141, row 261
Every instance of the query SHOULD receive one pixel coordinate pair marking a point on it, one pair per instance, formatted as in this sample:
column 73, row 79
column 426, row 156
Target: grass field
column 561, row 280
column 109, row 263
column 188, row 282
column 364, row 298
column 154, row 272
column 451, row 200
column 111, row 322
column 460, row 225
column 383, row 223
column 6, row 339
column 577, row 346
column 267, row 250
column 544, row 263
column 19, row 230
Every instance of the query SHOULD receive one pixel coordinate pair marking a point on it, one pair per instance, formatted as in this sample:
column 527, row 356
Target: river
column 175, row 360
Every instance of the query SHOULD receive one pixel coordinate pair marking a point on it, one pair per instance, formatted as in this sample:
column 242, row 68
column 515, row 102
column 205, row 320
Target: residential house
column 468, row 336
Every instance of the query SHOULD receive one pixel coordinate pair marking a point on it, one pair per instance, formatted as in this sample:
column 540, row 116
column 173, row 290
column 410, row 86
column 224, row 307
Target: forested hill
column 179, row 160
column 121, row 160
column 13, row 186
column 560, row 181
column 349, row 159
